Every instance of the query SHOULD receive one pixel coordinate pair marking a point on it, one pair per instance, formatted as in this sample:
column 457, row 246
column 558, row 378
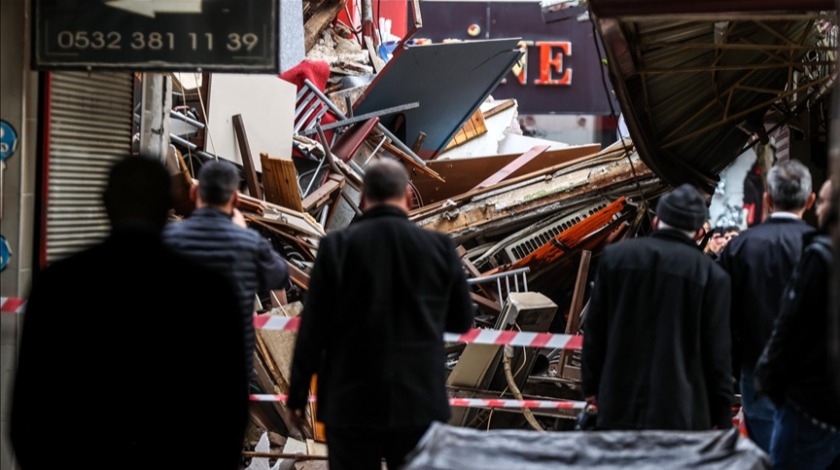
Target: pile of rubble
column 527, row 214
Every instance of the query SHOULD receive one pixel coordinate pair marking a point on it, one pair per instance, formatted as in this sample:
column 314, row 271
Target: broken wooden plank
column 247, row 158
column 504, row 105
column 462, row 175
column 573, row 322
column 474, row 127
column 412, row 163
column 280, row 182
column 324, row 193
column 298, row 221
column 511, row 167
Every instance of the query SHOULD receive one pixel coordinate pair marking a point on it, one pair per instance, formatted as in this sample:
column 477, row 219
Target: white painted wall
column 729, row 193
column 267, row 106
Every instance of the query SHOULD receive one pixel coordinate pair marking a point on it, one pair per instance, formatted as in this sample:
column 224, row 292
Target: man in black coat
column 656, row 344
column 381, row 295
column 120, row 365
column 760, row 262
column 795, row 370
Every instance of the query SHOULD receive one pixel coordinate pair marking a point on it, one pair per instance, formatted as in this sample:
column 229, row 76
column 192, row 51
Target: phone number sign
column 157, row 35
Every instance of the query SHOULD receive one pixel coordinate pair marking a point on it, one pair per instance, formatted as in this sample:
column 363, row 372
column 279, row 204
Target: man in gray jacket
column 215, row 235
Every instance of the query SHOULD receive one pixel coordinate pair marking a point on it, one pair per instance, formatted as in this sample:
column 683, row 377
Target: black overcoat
column 381, row 295
column 656, row 347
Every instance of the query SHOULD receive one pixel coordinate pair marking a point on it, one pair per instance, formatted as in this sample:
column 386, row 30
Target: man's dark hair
column 385, row 180
column 718, row 231
column 217, row 181
column 789, row 185
column 731, row 228
column 138, row 190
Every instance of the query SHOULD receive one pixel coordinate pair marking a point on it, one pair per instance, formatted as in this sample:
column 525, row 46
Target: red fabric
column 316, row 72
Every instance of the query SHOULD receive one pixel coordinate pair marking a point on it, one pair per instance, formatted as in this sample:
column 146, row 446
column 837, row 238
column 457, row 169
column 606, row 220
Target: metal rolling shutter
column 90, row 119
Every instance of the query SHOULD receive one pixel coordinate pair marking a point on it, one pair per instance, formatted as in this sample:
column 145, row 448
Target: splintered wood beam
column 247, row 159
column 412, row 164
column 324, row 193
column 280, row 182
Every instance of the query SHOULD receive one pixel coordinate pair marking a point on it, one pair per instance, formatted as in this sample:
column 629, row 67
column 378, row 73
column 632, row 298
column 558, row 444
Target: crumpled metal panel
column 450, row 81
column 687, row 82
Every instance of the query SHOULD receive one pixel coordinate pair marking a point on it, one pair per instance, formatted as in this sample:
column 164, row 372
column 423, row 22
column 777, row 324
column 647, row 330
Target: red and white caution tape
column 516, row 338
column 12, row 304
column 532, row 404
column 474, row 336
column 276, row 322
column 472, row 402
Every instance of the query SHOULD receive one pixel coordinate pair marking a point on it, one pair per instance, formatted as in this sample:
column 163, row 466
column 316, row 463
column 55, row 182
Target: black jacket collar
column 383, row 210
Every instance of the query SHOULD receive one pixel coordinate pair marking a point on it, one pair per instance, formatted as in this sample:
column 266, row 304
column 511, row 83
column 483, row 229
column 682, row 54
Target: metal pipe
column 201, row 153
column 493, row 277
column 187, row 119
column 397, row 142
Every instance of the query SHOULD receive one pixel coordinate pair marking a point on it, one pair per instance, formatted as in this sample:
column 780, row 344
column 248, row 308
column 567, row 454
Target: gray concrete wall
column 18, row 107
column 9, row 334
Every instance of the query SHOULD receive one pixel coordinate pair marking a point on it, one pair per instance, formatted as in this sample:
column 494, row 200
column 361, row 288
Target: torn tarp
column 448, row 447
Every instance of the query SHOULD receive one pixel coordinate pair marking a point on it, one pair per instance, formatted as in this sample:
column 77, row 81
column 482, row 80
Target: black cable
column 614, row 116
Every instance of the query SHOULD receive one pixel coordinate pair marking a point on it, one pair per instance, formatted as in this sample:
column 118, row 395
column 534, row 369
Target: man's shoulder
column 767, row 233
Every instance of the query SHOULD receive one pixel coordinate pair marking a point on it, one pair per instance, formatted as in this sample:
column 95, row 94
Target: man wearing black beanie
column 656, row 351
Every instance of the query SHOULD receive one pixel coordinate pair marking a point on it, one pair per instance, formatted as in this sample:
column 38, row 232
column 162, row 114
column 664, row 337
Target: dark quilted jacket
column 210, row 237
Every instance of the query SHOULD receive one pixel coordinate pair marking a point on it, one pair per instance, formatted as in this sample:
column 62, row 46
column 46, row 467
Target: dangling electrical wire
column 615, row 116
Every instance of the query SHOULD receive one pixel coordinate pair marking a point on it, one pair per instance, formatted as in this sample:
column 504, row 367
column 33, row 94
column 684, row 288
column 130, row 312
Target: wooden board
column 280, row 182
column 473, row 128
column 462, row 175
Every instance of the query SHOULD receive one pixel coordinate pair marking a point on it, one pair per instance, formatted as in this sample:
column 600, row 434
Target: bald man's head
column 385, row 181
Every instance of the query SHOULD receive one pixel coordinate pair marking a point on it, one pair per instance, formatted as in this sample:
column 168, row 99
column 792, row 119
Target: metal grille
column 90, row 129
column 522, row 249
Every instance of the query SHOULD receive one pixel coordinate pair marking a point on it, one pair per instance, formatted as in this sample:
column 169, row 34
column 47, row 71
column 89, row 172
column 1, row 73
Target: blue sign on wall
column 8, row 140
column 5, row 253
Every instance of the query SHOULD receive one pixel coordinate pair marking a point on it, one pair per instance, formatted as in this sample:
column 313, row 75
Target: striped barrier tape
column 12, row 304
column 471, row 402
column 474, row 336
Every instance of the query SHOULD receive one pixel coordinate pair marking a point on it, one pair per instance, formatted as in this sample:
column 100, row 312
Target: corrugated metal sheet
column 692, row 87
column 90, row 121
